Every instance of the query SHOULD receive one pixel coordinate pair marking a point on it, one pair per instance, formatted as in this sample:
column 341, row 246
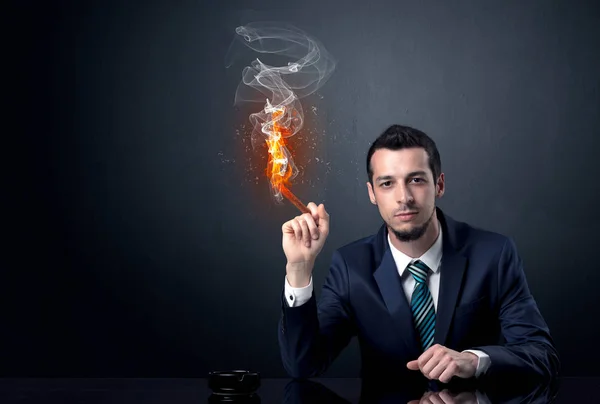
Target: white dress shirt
column 432, row 258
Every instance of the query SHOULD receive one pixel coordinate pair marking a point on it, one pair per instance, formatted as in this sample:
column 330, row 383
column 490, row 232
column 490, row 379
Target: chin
column 410, row 231
column 416, row 222
column 404, row 226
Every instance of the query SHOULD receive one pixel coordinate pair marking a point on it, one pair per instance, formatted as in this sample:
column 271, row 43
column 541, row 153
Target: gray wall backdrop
column 141, row 243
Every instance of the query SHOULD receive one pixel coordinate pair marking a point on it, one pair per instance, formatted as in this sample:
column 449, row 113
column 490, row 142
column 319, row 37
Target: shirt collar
column 431, row 257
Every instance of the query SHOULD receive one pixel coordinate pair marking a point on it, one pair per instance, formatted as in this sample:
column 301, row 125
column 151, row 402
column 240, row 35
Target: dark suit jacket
column 484, row 303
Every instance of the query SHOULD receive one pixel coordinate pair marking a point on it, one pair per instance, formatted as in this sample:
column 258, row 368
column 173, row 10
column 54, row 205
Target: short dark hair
column 398, row 137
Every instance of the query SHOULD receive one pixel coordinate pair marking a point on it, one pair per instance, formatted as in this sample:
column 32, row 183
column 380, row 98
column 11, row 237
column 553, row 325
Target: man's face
column 404, row 190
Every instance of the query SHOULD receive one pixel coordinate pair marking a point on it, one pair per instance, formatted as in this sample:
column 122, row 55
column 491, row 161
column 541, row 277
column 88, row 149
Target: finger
column 439, row 368
column 413, row 365
column 426, row 356
column 297, row 229
column 312, row 226
column 435, row 399
column 431, row 357
column 445, row 395
column 314, row 210
column 287, row 228
column 451, row 371
column 323, row 219
column 428, row 366
column 305, row 232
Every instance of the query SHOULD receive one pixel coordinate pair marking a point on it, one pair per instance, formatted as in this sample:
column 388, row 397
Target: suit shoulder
column 474, row 236
column 360, row 248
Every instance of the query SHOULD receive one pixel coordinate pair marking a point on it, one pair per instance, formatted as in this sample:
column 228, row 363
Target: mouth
column 405, row 215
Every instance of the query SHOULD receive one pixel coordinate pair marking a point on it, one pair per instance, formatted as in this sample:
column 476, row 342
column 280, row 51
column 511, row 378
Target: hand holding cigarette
column 303, row 239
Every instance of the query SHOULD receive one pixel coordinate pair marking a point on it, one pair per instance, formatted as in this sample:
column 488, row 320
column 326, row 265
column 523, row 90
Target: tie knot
column 419, row 271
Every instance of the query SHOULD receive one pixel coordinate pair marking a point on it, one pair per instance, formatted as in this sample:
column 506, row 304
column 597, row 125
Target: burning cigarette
column 294, row 199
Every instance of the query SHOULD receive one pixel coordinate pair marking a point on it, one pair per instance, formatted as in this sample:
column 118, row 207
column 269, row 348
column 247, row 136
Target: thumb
column 314, row 210
column 323, row 216
column 413, row 365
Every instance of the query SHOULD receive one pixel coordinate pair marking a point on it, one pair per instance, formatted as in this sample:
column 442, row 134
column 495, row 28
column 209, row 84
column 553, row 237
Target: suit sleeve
column 312, row 335
column 528, row 348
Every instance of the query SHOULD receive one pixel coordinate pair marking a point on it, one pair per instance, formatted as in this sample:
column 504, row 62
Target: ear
column 440, row 186
column 371, row 193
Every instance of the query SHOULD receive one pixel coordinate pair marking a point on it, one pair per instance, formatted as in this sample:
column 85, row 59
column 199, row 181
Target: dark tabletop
column 134, row 391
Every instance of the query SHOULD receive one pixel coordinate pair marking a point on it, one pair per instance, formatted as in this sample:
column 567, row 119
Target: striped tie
column 422, row 304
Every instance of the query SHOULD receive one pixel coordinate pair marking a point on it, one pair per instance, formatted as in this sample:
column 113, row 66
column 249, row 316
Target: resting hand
column 441, row 363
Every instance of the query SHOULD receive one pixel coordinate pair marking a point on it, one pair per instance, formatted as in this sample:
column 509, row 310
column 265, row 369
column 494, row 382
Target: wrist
column 473, row 359
column 298, row 274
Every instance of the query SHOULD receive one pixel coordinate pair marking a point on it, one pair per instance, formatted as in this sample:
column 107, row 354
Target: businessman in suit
column 425, row 295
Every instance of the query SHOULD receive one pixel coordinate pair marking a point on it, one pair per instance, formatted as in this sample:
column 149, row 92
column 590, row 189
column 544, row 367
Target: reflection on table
column 321, row 390
column 469, row 392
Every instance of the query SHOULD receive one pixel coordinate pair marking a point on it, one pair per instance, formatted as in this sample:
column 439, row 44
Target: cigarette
column 294, row 199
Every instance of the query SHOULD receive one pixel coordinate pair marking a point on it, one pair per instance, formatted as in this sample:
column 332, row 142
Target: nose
column 403, row 195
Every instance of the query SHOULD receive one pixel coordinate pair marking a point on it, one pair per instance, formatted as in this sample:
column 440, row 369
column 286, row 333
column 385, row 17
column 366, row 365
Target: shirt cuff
column 483, row 363
column 297, row 296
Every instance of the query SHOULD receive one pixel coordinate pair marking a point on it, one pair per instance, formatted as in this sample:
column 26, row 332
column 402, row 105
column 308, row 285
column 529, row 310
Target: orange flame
column 279, row 168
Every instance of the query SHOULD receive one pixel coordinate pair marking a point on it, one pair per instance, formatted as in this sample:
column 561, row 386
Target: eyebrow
column 390, row 177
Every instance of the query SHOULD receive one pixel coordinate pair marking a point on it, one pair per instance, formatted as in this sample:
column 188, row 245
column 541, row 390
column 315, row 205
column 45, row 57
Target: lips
column 406, row 216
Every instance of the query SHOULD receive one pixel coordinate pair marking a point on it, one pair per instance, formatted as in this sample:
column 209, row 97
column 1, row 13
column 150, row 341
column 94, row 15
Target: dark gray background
column 140, row 241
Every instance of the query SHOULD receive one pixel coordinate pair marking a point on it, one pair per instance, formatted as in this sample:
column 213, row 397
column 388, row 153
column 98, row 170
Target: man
column 425, row 294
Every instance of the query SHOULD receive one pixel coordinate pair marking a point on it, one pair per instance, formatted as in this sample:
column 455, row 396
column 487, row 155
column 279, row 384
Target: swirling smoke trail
column 280, row 88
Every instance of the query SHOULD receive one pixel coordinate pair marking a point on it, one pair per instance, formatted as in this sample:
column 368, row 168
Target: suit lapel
column 452, row 270
column 390, row 285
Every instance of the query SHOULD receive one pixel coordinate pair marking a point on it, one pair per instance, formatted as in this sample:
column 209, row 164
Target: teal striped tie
column 422, row 304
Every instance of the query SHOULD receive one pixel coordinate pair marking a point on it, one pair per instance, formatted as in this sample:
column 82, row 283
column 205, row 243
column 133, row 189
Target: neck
column 418, row 247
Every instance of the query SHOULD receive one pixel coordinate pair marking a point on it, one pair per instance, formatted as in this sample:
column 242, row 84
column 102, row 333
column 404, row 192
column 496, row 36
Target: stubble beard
column 415, row 233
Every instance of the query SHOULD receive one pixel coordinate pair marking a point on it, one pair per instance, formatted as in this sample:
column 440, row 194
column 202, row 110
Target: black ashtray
column 233, row 386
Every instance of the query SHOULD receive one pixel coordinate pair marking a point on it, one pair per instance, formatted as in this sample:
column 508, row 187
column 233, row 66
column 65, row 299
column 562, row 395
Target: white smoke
column 308, row 67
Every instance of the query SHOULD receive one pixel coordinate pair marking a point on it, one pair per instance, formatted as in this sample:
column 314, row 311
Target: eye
column 418, row 180
column 385, row 184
